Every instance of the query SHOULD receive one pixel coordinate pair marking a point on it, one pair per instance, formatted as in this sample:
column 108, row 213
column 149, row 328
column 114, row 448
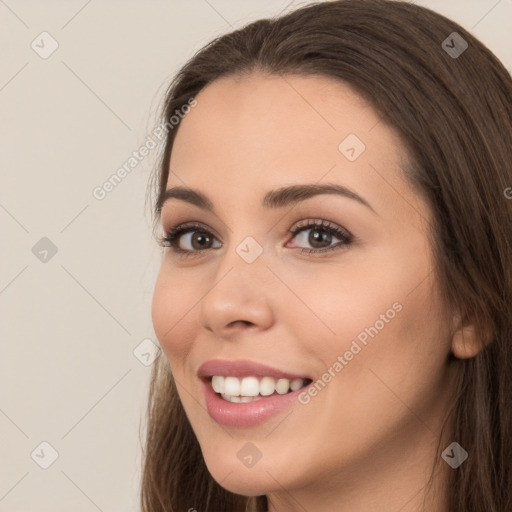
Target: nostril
column 242, row 322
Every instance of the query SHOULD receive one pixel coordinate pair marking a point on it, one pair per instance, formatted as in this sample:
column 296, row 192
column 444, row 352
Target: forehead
column 272, row 117
column 257, row 132
column 264, row 106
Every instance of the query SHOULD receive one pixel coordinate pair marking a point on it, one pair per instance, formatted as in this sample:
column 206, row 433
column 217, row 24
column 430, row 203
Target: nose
column 240, row 298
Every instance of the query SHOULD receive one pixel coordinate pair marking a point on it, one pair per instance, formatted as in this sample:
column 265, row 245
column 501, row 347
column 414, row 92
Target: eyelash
column 172, row 236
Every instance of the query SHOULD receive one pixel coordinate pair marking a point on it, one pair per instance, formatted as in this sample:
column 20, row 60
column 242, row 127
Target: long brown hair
column 454, row 115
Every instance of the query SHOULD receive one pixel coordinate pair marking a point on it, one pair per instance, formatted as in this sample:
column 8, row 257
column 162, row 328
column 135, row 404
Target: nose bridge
column 244, row 261
column 239, row 293
column 247, row 243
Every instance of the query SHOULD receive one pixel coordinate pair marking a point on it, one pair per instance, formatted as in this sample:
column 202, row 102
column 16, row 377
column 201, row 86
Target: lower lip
column 246, row 414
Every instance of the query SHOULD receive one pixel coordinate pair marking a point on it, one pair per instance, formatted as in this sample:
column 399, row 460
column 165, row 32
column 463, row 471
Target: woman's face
column 362, row 319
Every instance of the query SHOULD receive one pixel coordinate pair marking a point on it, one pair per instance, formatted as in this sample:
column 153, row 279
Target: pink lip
column 243, row 368
column 245, row 414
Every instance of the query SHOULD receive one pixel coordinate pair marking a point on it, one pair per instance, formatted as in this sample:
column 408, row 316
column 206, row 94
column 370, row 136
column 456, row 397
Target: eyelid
column 321, row 223
column 192, row 223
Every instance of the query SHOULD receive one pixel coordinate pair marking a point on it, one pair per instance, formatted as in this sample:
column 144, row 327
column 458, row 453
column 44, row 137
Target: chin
column 238, row 479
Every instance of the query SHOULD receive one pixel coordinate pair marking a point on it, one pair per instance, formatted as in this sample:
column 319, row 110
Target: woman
column 334, row 300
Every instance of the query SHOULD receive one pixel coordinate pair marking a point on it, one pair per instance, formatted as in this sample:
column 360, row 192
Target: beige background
column 73, row 372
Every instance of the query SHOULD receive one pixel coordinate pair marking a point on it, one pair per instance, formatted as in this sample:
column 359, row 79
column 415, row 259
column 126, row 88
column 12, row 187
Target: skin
column 366, row 442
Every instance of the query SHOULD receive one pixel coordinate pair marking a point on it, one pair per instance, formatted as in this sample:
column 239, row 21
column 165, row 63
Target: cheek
column 172, row 302
column 385, row 319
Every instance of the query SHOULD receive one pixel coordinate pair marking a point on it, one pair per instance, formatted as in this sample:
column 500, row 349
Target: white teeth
column 249, row 398
column 218, row 383
column 282, row 386
column 250, row 386
column 249, row 389
column 241, row 399
column 232, row 386
column 296, row 384
column 267, row 386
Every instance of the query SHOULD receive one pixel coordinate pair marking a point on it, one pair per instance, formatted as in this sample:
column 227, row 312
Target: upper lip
column 243, row 368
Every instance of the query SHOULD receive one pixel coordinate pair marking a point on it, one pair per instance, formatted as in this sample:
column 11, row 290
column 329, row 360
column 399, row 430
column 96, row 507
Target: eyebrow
column 278, row 198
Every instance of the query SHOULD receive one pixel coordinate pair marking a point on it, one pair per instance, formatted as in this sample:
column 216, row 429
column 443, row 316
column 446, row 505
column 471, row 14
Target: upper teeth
column 252, row 386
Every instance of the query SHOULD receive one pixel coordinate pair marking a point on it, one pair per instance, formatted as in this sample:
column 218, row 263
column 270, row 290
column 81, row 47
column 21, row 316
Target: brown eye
column 321, row 235
column 199, row 240
column 189, row 239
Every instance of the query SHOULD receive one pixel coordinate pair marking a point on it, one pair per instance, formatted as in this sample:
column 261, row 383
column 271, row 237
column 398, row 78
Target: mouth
column 246, row 393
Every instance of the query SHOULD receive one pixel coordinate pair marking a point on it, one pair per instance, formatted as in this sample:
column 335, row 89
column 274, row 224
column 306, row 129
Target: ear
column 467, row 341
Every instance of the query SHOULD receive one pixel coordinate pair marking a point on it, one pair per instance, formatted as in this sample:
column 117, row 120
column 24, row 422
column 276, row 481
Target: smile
column 246, row 393
column 250, row 389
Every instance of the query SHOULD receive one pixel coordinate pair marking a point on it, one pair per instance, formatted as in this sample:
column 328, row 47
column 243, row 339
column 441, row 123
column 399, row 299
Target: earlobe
column 467, row 342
